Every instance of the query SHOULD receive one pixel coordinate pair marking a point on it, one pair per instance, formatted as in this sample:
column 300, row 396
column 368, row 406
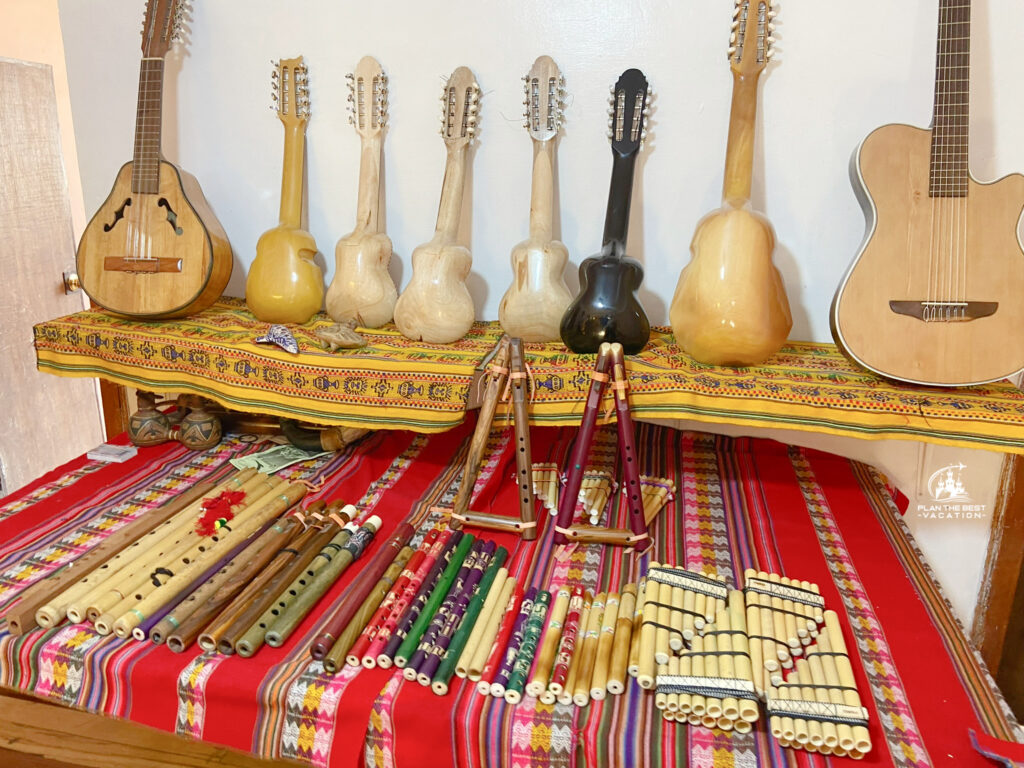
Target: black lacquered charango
column 607, row 308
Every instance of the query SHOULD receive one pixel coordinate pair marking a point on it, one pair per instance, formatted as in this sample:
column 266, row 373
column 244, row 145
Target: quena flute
column 567, row 641
column 588, row 652
column 524, row 658
column 548, row 646
column 622, row 641
column 602, row 663
column 496, row 623
column 508, row 652
column 569, row 687
column 486, row 622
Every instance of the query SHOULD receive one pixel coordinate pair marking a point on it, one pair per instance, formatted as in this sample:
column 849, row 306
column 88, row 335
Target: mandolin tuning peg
column 770, row 27
column 735, row 24
column 610, row 133
column 473, row 109
column 772, row 14
column 526, row 121
column 769, row 53
column 731, row 51
column 732, row 38
column 771, row 40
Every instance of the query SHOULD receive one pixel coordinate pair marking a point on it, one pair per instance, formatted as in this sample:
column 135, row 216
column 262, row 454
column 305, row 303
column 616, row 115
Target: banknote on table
column 276, row 459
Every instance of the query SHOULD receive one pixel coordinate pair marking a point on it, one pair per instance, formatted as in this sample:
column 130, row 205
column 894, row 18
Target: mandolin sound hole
column 118, row 215
column 172, row 217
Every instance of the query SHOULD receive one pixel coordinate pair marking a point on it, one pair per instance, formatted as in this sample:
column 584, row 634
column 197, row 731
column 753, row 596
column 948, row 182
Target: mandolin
column 532, row 307
column 362, row 289
column 436, row 306
column 154, row 249
column 284, row 284
column 606, row 308
column 730, row 305
column 934, row 295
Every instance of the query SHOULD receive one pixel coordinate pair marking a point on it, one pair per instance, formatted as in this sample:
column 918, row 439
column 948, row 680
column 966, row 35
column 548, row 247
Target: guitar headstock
column 751, row 43
column 544, row 100
column 628, row 112
column 162, row 26
column 460, row 102
column 289, row 84
column 368, row 97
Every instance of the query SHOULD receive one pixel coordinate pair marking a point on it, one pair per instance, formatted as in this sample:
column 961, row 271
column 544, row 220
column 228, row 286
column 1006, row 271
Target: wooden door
column 44, row 419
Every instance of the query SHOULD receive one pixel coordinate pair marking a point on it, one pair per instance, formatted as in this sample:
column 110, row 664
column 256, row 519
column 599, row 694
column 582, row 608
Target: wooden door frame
column 116, row 411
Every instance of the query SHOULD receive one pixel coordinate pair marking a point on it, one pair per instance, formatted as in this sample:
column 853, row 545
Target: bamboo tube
column 569, row 687
column 524, row 658
column 689, row 606
column 38, row 598
column 196, row 610
column 506, row 601
column 238, row 616
column 801, row 610
column 291, row 495
column 677, row 596
column 486, row 624
column 648, row 636
column 317, row 579
column 685, row 701
column 602, row 663
column 819, row 616
column 742, row 726
column 336, row 657
column 794, row 690
column 672, row 700
column 824, row 694
column 634, row 638
column 713, row 704
column 815, row 728
column 180, row 546
column 548, row 646
column 744, row 664
column 622, row 641
column 660, row 695
column 501, row 642
column 662, row 637
column 700, row 603
column 788, row 617
column 567, row 642
column 506, row 661
column 724, row 636
column 698, row 703
column 53, row 612
column 832, row 640
column 364, row 624
column 581, row 686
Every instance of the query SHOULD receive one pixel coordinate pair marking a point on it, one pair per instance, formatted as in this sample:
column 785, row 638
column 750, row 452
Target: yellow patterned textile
column 396, row 383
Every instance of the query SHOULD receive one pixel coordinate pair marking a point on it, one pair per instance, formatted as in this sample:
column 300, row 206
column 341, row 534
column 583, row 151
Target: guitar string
column 935, row 245
column 946, row 168
column 965, row 199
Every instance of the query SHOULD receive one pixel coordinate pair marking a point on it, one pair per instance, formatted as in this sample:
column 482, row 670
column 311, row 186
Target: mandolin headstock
column 289, row 84
column 368, row 97
column 460, row 103
column 628, row 112
column 162, row 26
column 751, row 43
column 544, row 99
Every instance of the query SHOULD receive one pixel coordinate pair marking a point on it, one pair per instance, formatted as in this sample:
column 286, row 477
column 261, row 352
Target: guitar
column 730, row 305
column 154, row 249
column 284, row 284
column 606, row 308
column 933, row 296
column 436, row 306
column 533, row 305
column 362, row 288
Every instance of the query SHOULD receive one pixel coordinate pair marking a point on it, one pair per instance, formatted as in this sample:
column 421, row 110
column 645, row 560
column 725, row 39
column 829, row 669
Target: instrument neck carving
column 542, row 191
column 291, row 175
column 368, row 204
column 620, row 194
column 449, row 210
column 739, row 153
column 146, row 162
column 950, row 117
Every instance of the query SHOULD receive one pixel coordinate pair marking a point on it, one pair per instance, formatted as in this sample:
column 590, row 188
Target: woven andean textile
column 739, row 504
column 396, row 383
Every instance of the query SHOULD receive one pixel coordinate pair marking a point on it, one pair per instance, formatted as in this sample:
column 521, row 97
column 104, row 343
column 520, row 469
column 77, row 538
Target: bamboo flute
column 831, row 642
column 180, row 544
column 602, row 662
column 450, row 616
column 634, row 638
column 547, row 647
column 567, row 641
column 483, row 673
column 371, row 640
column 648, row 634
column 508, row 653
column 826, row 694
column 565, row 695
column 22, row 617
column 51, row 613
column 698, row 703
column 312, row 585
column 622, row 641
column 742, row 663
column 421, row 589
column 506, row 601
column 192, row 608
column 686, row 670
column 588, row 652
column 815, row 735
column 713, row 704
column 470, row 614
column 660, row 694
column 524, row 658
column 412, row 638
column 238, row 616
column 337, row 656
column 291, row 495
column 486, row 624
column 672, row 705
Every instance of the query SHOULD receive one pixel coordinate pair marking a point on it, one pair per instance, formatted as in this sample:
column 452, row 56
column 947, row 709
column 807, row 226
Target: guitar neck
column 616, row 219
column 291, row 174
column 542, row 192
column 368, row 206
column 950, row 118
column 449, row 212
column 148, row 122
column 739, row 153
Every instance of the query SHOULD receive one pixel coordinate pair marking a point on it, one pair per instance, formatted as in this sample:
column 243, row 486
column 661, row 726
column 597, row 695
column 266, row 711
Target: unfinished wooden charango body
column 154, row 249
column 362, row 289
column 436, row 306
column 730, row 305
column 533, row 305
column 284, row 284
column 934, row 295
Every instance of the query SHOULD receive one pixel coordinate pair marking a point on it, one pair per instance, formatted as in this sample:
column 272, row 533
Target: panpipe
column 786, row 614
column 656, row 492
column 595, row 490
column 545, row 484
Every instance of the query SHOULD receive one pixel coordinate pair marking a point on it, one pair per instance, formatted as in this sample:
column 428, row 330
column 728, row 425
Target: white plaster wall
column 842, row 69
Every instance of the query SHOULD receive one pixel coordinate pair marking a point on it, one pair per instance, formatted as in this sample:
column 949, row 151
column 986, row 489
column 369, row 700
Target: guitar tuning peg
column 526, row 122
column 772, row 14
column 770, row 27
column 732, row 38
column 731, row 51
column 610, row 133
column 473, row 109
column 735, row 24
column 611, row 110
column 771, row 40
column 611, row 122
column 769, row 53
column 350, row 76
column 646, row 111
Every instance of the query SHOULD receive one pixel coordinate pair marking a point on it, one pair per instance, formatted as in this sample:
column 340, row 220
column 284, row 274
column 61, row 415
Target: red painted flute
column 631, row 489
column 567, row 643
column 497, row 654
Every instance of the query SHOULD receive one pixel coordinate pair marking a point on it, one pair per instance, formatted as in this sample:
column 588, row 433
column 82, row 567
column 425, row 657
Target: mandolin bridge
column 141, row 265
column 945, row 311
